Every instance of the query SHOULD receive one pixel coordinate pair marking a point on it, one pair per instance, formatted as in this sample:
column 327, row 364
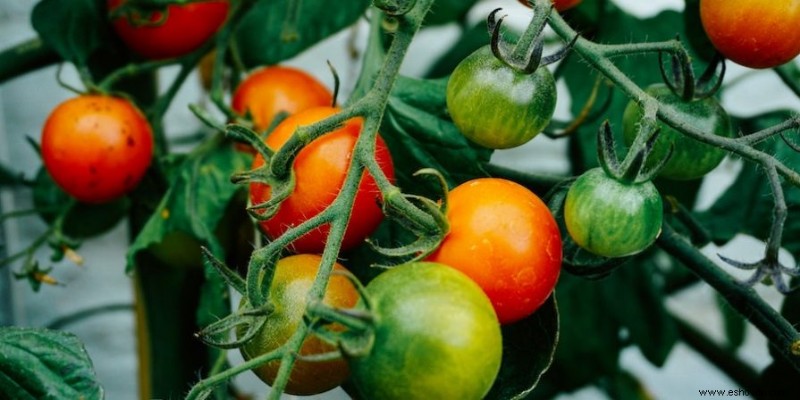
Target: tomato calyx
column 524, row 57
column 681, row 79
column 141, row 13
column 633, row 168
column 420, row 215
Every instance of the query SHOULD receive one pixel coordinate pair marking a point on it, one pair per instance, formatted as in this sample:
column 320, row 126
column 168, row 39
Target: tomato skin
column 504, row 238
column 436, row 337
column 320, row 170
column 610, row 218
column 186, row 28
column 690, row 159
column 753, row 33
column 497, row 107
column 96, row 147
column 269, row 91
column 294, row 276
column 561, row 5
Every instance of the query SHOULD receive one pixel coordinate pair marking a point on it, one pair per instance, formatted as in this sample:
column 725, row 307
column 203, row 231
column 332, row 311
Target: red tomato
column 96, row 147
column 753, row 33
column 185, row 28
column 320, row 170
column 271, row 90
column 504, row 238
column 560, row 5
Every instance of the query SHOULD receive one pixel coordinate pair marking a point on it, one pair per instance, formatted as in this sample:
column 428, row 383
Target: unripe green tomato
column 610, row 218
column 497, row 106
column 690, row 158
column 436, row 337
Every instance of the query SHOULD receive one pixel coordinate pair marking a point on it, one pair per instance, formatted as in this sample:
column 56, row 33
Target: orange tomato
column 504, row 238
column 96, row 147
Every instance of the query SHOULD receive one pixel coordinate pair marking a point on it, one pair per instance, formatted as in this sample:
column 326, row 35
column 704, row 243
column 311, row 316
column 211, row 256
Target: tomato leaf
column 471, row 39
column 420, row 134
column 39, row 363
column 734, row 323
column 268, row 34
column 444, row 11
column 73, row 28
column 528, row 349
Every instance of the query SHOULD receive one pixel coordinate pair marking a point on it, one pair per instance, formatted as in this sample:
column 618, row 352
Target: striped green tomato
column 496, row 106
column 611, row 218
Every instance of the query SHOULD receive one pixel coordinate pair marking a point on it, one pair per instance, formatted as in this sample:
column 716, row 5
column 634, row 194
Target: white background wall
column 26, row 101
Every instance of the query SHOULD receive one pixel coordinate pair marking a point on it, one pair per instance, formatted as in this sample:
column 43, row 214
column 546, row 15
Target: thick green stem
column 780, row 333
column 25, row 57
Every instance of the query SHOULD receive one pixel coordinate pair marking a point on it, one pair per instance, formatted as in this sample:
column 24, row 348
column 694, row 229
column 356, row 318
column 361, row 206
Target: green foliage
column 73, row 28
column 39, row 363
column 273, row 31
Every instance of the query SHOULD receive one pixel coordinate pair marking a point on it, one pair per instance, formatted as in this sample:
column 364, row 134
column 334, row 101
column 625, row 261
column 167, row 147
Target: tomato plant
column 293, row 278
column 689, row 158
column 497, row 106
column 560, row 5
column 612, row 218
column 177, row 31
column 268, row 91
column 436, row 336
column 320, row 169
column 96, row 147
column 750, row 34
column 503, row 237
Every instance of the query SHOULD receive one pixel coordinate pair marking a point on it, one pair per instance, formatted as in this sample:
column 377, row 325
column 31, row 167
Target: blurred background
column 100, row 282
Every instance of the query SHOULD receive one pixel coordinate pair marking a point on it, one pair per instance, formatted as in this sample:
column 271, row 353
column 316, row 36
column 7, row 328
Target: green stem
column 206, row 385
column 783, row 336
column 790, row 75
column 525, row 43
column 25, row 57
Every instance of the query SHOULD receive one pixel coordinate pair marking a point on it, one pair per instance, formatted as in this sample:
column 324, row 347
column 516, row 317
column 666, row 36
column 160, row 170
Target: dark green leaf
column 73, row 28
column 471, row 39
column 38, row 363
column 10, row 178
column 640, row 308
column 528, row 349
column 444, row 11
column 268, row 34
column 420, row 134
column 625, row 385
column 82, row 220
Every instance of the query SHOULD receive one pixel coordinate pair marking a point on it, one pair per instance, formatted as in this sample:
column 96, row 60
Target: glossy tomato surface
column 496, row 106
column 610, row 218
column 182, row 30
column 294, row 276
column 320, row 170
column 753, row 33
column 97, row 147
column 690, row 159
column 268, row 91
column 504, row 238
column 436, row 337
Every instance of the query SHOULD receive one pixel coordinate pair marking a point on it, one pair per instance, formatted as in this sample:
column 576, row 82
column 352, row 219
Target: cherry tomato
column 185, row 28
column 271, row 90
column 610, row 218
column 496, row 106
column 690, row 158
column 320, row 170
column 436, row 337
column 504, row 238
column 561, row 5
column 294, row 276
column 96, row 147
column 753, row 33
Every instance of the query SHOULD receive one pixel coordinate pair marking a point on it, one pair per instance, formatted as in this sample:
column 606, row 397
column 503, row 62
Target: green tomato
column 610, row 218
column 690, row 158
column 436, row 336
column 496, row 106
